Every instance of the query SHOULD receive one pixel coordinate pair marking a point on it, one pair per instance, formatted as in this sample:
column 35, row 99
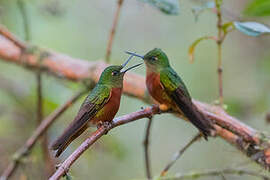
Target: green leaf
column 251, row 28
column 228, row 27
column 194, row 44
column 170, row 7
column 258, row 8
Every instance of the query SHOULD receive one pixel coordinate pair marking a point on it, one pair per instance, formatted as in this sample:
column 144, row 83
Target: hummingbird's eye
column 153, row 58
column 114, row 73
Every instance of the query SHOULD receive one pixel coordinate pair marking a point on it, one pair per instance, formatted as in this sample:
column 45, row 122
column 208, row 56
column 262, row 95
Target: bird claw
column 106, row 125
column 57, row 165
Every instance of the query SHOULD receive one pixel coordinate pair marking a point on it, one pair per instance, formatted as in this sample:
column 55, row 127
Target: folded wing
column 177, row 90
column 92, row 104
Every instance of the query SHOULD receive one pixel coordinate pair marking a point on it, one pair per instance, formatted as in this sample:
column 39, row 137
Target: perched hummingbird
column 166, row 87
column 99, row 107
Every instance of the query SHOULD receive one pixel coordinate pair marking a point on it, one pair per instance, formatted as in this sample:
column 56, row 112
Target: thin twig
column 65, row 166
column 4, row 31
column 113, row 29
column 26, row 148
column 218, row 172
column 267, row 117
column 146, row 149
column 219, row 45
column 178, row 154
column 25, row 19
column 48, row 161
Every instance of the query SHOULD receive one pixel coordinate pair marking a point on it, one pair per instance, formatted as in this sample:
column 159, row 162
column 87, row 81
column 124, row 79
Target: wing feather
column 92, row 104
column 177, row 90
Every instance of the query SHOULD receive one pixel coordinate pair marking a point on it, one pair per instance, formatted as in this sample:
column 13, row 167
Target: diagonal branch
column 64, row 167
column 179, row 154
column 4, row 31
column 48, row 161
column 253, row 143
column 41, row 129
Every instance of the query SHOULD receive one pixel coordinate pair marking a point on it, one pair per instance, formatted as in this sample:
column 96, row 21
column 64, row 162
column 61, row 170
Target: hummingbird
column 98, row 108
column 168, row 89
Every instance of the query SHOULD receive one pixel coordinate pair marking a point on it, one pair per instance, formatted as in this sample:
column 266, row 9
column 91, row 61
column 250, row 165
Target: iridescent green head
column 113, row 75
column 155, row 59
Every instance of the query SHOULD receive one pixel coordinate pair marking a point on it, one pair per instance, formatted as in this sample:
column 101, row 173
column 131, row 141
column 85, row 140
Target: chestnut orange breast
column 110, row 109
column 156, row 89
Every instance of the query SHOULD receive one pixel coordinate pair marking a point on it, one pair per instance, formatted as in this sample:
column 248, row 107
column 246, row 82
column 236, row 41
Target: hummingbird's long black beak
column 134, row 54
column 127, row 61
column 136, row 65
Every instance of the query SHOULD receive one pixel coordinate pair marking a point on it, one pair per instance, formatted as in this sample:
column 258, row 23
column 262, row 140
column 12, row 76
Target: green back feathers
column 98, row 95
column 171, row 81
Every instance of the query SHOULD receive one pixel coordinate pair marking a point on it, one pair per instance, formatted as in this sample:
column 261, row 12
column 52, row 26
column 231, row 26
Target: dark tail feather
column 192, row 113
column 65, row 139
column 198, row 119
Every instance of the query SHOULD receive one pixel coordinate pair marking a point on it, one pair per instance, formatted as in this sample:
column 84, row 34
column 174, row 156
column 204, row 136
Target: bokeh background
column 81, row 29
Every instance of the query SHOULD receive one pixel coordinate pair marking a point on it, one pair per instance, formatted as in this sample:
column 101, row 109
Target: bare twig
column 113, row 29
column 146, row 149
column 218, row 172
column 25, row 19
column 178, row 154
column 49, row 164
column 64, row 167
column 250, row 141
column 219, row 45
column 26, row 148
column 4, row 31
column 48, row 161
column 267, row 117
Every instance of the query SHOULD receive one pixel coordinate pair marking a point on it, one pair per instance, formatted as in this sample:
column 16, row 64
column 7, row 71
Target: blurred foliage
column 53, row 8
column 197, row 10
column 258, row 8
column 170, row 7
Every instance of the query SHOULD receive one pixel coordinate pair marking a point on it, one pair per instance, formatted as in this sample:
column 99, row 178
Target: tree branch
column 4, row 31
column 146, row 149
column 64, row 167
column 219, row 45
column 179, row 154
column 48, row 161
column 209, row 173
column 267, row 117
column 41, row 129
column 253, row 143
column 112, row 33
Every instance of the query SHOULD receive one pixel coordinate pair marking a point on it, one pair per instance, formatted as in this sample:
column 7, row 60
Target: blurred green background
column 81, row 29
